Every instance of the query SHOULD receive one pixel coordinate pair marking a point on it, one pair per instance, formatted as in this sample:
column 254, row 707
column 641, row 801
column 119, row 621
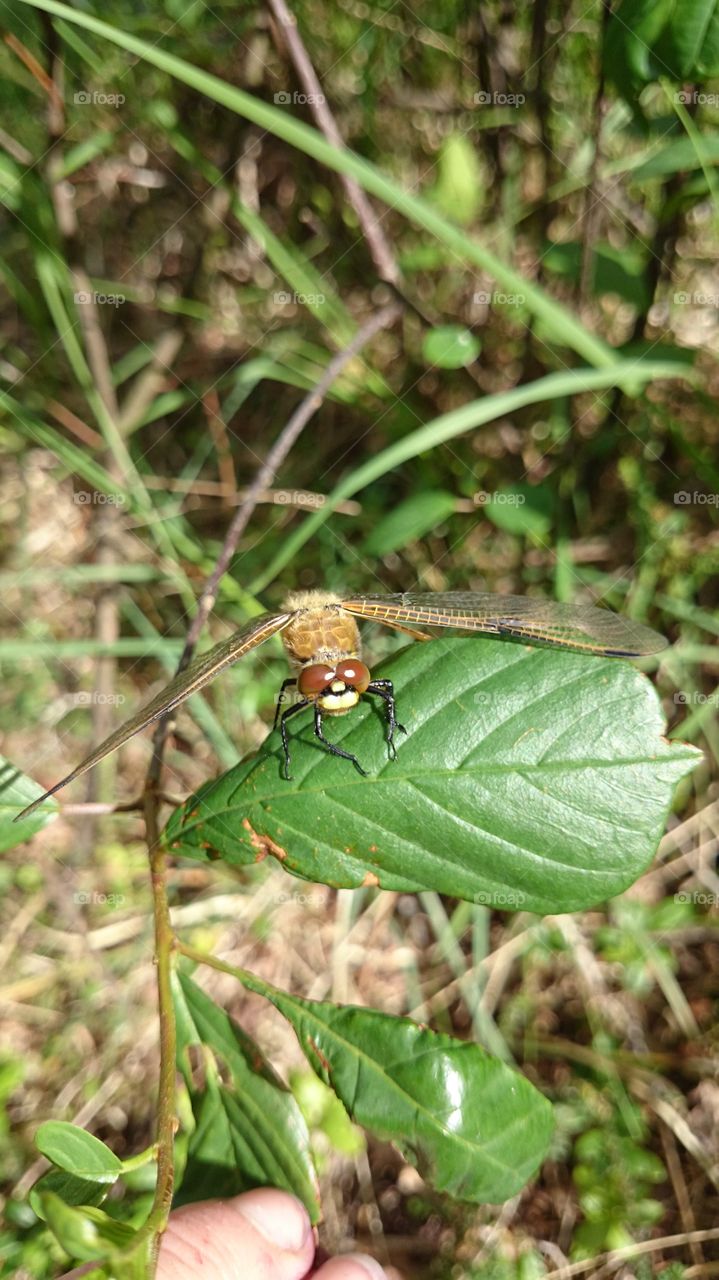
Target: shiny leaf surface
column 529, row 779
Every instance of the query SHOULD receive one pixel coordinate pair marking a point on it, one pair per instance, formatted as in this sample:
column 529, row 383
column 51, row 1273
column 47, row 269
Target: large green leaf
column 250, row 1132
column 529, row 779
column 473, row 1126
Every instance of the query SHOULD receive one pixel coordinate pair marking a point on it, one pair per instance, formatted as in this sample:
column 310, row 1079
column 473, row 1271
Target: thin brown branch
column 266, row 474
column 377, row 242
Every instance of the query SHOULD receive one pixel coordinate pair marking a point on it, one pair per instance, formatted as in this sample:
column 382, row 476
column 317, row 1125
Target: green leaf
column 677, row 156
column 633, row 30
column 85, row 1233
column 77, row 1234
column 16, row 792
column 250, row 1133
column 522, row 509
column 77, row 1152
column 647, row 40
column 529, row 779
column 450, row 346
column 71, row 1190
column 461, row 186
column 411, row 520
column 620, row 271
column 473, row 1126
column 323, row 1110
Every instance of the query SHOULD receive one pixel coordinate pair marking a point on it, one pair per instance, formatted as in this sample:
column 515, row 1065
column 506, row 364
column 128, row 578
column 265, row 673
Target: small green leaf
column 71, row 1190
column 450, row 346
column 460, row 189
column 529, row 779
column 77, row 1234
column 522, row 509
column 16, row 792
column 77, row 1152
column 411, row 520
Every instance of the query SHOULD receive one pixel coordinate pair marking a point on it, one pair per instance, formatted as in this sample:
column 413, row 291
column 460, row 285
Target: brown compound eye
column 315, row 678
column 354, row 673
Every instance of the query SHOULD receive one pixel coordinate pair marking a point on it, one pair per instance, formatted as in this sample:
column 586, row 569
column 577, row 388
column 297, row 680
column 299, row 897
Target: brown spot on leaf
column 370, row 880
column 263, row 844
column 319, row 1054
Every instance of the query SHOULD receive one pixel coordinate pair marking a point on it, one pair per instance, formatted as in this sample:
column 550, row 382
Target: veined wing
column 194, row 677
column 523, row 618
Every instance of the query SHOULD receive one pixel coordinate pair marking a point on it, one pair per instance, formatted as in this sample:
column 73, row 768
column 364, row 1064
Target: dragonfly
column 322, row 642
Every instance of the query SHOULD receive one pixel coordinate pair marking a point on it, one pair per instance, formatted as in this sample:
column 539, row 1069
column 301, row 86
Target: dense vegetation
column 527, row 406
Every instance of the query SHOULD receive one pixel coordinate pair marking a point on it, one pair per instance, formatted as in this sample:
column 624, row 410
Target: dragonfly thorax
column 320, row 630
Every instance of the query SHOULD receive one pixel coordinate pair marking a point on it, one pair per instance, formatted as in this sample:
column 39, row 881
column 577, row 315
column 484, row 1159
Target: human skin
column 260, row 1235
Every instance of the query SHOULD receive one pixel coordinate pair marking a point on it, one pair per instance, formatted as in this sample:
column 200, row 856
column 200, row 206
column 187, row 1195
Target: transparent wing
column 522, row 618
column 194, row 677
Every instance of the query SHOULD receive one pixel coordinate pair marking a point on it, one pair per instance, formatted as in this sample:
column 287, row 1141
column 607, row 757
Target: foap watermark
column 301, row 899
column 285, row 299
column 91, row 897
column 499, row 898
column 686, row 499
column 286, row 99
column 495, row 297
column 97, row 98
column 85, row 298
column 85, row 498
column 297, row 498
column 290, row 697
column 87, row 699
column 483, row 98
column 696, row 699
column 698, row 897
column 483, row 498
column 696, row 298
column 689, row 97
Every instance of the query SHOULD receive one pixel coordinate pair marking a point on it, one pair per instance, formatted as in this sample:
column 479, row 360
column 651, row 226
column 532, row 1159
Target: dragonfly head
column 335, row 686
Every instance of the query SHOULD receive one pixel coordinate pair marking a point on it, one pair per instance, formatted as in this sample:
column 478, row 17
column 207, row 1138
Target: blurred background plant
column 175, row 278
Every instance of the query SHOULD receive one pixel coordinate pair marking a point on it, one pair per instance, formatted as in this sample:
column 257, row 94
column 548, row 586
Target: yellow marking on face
column 336, row 704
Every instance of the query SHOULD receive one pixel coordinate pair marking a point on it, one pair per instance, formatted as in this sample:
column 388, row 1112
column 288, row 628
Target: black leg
column 385, row 689
column 299, row 706
column 281, row 697
column 333, row 750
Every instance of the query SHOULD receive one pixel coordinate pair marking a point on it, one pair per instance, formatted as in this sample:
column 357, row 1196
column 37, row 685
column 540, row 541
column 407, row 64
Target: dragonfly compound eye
column 354, row 673
column 315, row 678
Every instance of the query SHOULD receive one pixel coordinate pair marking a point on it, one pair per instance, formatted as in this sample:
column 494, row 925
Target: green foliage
column 515, row 785
column 472, row 1126
column 17, row 791
column 410, row 520
column 614, row 1175
column 218, row 213
column 249, row 1131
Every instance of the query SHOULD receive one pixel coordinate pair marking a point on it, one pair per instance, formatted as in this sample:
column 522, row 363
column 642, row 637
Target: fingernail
column 286, row 1227
column 369, row 1265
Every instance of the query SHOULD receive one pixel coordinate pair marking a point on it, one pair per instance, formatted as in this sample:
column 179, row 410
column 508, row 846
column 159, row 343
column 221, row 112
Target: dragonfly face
column 322, row 642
